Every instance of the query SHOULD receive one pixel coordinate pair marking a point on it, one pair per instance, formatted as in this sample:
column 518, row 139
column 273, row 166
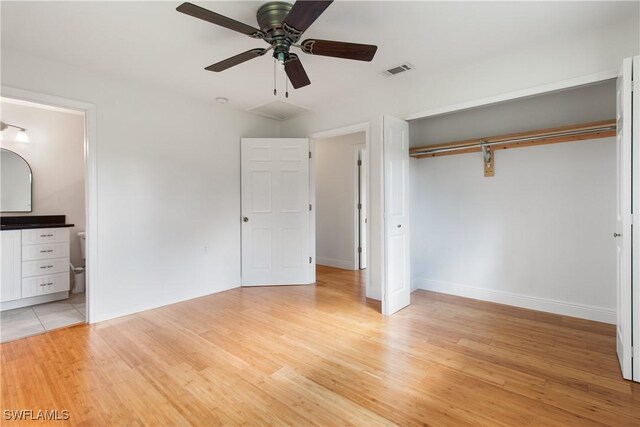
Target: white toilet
column 79, row 272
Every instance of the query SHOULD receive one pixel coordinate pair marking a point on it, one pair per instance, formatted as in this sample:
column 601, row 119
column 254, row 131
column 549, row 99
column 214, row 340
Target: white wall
column 335, row 200
column 537, row 235
column 55, row 152
column 599, row 50
column 168, row 174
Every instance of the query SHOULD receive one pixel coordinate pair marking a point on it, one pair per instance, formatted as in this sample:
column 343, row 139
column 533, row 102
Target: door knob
column 245, row 219
column 399, row 225
column 617, row 234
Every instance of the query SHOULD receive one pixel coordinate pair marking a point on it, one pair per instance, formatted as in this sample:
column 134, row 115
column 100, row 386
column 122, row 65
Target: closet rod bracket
column 489, row 161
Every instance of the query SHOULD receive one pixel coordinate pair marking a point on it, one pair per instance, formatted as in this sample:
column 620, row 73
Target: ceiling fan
column 281, row 25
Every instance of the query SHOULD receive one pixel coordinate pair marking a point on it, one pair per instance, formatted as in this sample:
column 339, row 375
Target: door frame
column 90, row 179
column 344, row 130
column 360, row 173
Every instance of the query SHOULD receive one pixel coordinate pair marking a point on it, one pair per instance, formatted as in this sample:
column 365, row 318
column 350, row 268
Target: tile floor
column 26, row 321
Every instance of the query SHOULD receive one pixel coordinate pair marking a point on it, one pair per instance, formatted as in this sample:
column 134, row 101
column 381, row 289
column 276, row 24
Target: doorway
column 339, row 200
column 43, row 218
column 465, row 239
column 88, row 111
column 341, row 193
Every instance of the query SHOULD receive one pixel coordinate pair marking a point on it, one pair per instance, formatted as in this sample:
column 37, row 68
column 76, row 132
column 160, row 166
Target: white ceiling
column 151, row 42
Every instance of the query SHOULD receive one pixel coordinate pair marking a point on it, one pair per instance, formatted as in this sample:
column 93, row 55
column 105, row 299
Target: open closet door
column 624, row 233
column 276, row 223
column 397, row 288
column 635, row 99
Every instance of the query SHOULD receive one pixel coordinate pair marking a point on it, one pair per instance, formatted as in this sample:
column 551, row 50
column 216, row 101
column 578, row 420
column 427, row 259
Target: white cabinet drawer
column 53, row 250
column 46, row 266
column 41, row 285
column 45, row 235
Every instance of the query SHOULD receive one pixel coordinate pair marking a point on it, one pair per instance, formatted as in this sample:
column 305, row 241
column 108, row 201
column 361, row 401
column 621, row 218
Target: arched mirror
column 15, row 188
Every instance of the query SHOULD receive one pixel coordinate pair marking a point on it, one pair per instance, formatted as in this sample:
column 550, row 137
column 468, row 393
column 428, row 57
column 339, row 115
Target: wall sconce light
column 21, row 136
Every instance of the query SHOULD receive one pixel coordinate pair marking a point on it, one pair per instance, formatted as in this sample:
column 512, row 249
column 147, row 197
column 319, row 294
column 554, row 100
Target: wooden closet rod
column 603, row 129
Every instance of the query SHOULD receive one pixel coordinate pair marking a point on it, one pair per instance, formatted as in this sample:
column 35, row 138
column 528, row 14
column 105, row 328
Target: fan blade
column 303, row 13
column 295, row 71
column 215, row 18
column 359, row 52
column 235, row 60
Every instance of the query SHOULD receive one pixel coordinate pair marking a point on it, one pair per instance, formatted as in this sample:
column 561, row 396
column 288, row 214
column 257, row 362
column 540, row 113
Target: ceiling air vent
column 397, row 69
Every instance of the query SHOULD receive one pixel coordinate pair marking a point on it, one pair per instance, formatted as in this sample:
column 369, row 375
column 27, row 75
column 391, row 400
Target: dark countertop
column 33, row 221
column 26, row 226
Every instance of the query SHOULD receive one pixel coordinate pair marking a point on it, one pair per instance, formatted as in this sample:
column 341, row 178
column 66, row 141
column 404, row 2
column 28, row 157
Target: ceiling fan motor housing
column 270, row 18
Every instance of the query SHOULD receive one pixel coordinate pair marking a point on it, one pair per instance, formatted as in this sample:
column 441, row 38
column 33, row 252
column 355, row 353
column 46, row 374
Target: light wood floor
column 324, row 356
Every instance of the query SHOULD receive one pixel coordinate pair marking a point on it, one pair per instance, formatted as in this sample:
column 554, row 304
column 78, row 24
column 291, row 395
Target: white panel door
column 275, row 212
column 11, row 284
column 623, row 232
column 397, row 291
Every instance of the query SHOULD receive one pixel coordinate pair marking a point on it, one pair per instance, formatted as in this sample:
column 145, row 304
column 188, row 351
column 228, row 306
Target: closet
column 532, row 203
column 515, row 202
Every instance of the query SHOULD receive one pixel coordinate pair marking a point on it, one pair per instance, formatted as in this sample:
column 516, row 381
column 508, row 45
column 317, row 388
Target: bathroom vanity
column 35, row 260
column 35, row 265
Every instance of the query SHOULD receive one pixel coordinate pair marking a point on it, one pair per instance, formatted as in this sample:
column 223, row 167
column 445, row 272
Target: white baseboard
column 336, row 263
column 582, row 311
column 101, row 317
